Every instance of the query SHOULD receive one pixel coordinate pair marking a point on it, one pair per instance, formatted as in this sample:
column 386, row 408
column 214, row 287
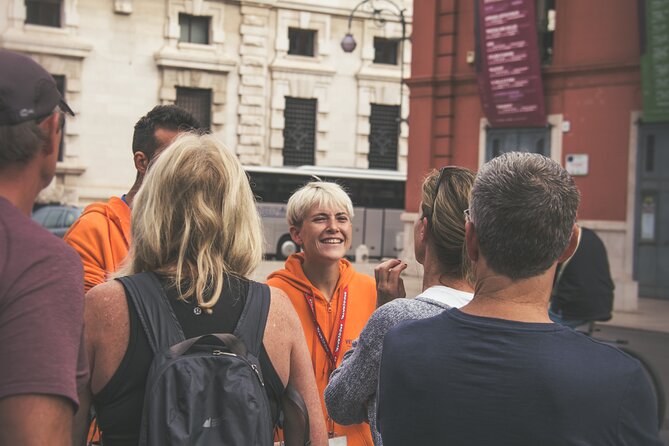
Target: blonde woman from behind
column 194, row 225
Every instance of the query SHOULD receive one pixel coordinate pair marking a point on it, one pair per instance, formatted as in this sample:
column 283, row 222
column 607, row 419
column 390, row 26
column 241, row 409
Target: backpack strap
column 251, row 325
column 155, row 312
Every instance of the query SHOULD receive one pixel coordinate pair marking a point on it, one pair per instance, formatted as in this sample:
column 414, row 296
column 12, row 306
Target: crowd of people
column 475, row 359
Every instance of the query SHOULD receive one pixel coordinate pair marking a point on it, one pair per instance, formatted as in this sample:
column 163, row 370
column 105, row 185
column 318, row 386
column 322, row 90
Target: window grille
column 385, row 51
column 43, row 12
column 194, row 29
column 301, row 41
column 527, row 139
column 299, row 132
column 197, row 101
column 383, row 136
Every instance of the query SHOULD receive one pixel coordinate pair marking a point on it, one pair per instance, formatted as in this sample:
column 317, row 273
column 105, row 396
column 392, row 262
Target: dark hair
column 20, row 142
column 523, row 206
column 168, row 117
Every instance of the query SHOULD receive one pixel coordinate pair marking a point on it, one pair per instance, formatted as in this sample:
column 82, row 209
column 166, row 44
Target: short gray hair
column 20, row 142
column 316, row 193
column 523, row 206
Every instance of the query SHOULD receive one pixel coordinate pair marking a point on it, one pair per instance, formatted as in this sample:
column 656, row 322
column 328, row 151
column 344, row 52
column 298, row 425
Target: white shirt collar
column 447, row 296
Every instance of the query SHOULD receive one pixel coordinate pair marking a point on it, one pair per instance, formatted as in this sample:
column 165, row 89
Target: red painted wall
column 594, row 82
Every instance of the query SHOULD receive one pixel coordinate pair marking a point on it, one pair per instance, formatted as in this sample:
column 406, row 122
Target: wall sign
column 655, row 60
column 577, row 164
column 648, row 216
column 509, row 71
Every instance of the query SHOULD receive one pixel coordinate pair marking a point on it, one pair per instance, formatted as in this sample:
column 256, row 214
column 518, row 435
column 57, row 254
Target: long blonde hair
column 194, row 219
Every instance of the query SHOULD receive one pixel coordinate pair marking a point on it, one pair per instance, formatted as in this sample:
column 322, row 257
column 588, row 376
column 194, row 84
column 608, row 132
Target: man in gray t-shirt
column 41, row 296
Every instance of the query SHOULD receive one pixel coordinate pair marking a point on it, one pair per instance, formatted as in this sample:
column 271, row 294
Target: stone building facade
column 236, row 64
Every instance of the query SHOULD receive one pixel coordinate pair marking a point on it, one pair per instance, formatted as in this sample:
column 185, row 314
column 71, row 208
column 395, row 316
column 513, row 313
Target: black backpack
column 206, row 390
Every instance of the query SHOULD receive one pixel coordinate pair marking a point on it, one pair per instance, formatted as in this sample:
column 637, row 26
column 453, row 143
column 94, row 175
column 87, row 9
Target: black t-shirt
column 585, row 289
column 119, row 404
column 458, row 379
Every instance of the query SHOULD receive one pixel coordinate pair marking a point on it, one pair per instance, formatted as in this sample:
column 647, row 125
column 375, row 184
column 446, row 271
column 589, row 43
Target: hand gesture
column 389, row 284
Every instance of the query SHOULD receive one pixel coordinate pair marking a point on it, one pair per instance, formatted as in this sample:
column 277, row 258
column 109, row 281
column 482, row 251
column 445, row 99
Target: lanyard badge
column 332, row 355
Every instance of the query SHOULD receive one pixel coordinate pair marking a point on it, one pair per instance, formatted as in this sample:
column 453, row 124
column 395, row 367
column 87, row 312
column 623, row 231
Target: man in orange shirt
column 101, row 235
column 332, row 300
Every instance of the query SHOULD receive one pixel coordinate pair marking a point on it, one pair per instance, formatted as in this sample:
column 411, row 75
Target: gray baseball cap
column 27, row 91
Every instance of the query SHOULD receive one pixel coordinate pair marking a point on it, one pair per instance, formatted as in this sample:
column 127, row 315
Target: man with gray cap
column 41, row 298
column 498, row 370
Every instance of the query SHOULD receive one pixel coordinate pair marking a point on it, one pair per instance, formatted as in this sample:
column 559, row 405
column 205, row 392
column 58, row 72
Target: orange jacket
column 101, row 236
column 361, row 303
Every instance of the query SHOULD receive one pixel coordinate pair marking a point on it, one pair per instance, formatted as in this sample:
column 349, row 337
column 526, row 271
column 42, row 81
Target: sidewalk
column 652, row 314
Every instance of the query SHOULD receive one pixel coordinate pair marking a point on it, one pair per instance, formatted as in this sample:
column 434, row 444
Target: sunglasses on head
column 440, row 179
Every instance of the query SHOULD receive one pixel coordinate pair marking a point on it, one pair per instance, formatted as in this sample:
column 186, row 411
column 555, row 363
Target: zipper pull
column 329, row 307
column 255, row 369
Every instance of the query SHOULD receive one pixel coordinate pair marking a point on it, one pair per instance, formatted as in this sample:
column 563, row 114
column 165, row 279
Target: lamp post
column 380, row 11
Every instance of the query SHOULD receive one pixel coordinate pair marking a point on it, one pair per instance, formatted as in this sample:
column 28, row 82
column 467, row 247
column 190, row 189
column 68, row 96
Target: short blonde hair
column 195, row 220
column 316, row 193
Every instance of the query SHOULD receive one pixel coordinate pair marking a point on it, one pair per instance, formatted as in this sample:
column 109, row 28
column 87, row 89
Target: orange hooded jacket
column 361, row 303
column 101, row 237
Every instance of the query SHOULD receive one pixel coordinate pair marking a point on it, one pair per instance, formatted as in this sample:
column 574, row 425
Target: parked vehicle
column 57, row 219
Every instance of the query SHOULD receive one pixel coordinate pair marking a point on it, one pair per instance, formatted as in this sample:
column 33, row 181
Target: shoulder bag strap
column 155, row 312
column 251, row 325
column 295, row 418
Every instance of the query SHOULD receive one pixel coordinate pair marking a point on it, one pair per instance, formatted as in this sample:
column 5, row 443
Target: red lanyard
column 332, row 355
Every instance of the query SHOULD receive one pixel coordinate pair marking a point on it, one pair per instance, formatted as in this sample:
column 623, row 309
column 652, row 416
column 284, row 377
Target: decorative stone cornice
column 380, row 73
column 43, row 40
column 194, row 59
column 66, row 168
column 297, row 64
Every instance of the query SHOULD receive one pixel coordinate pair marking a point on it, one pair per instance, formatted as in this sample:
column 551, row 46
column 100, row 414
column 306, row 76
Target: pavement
column 651, row 315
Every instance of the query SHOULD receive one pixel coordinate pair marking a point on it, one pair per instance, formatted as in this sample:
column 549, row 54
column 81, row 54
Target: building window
column 299, row 132
column 60, row 85
column 383, row 136
column 197, row 101
column 530, row 139
column 43, row 12
column 385, row 50
column 301, row 41
column 194, row 29
column 545, row 30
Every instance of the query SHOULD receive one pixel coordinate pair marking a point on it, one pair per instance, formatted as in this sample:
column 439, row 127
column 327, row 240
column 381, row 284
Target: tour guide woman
column 332, row 300
column 194, row 224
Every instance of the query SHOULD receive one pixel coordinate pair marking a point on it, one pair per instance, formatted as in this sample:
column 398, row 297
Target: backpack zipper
column 249, row 363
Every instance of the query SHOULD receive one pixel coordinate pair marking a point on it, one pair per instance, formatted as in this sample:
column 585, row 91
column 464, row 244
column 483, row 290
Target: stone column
column 253, row 84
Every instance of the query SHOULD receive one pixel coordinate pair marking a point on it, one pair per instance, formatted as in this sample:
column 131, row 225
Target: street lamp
column 380, row 11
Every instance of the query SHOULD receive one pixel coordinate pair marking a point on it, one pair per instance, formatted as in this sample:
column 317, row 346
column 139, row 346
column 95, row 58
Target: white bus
column 377, row 195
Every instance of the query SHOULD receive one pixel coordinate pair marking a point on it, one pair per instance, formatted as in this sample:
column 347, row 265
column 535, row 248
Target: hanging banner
column 509, row 71
column 655, row 60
